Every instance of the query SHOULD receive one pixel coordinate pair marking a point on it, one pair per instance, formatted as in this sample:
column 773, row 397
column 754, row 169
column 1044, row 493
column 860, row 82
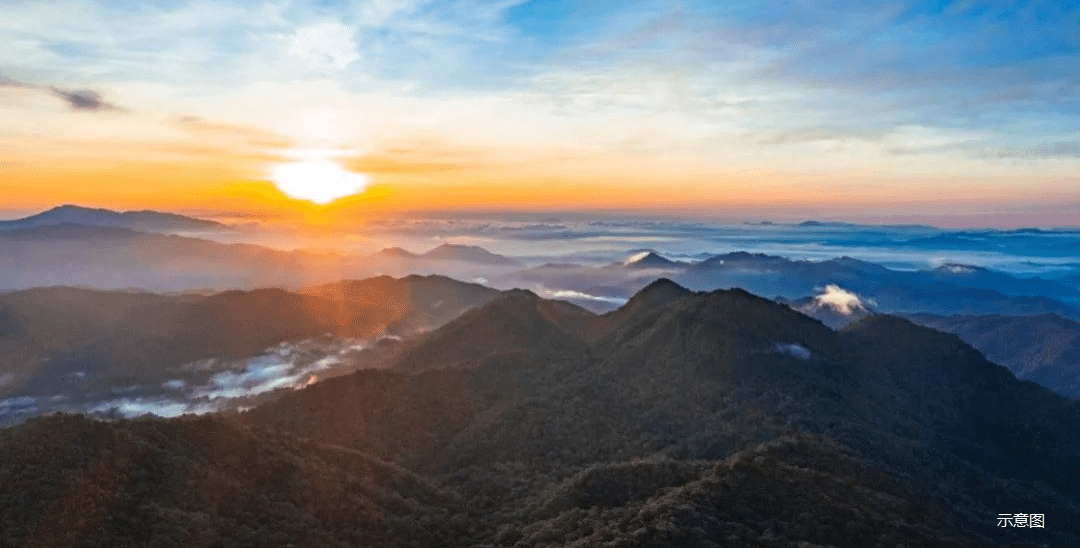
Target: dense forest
column 680, row 419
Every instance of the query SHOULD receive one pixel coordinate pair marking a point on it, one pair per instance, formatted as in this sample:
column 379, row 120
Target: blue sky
column 980, row 96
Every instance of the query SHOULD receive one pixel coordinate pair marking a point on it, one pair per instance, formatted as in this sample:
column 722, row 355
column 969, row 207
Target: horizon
column 994, row 221
column 957, row 114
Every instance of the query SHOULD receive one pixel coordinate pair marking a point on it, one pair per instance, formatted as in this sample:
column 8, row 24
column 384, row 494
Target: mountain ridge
column 703, row 419
column 142, row 220
column 714, row 359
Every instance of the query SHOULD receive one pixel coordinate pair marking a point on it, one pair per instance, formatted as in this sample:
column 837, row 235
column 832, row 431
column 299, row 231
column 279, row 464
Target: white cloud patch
column 20, row 404
column 570, row 294
column 636, row 257
column 288, row 365
column 328, row 46
column 175, row 384
column 840, row 300
column 285, row 366
column 793, row 349
column 160, row 406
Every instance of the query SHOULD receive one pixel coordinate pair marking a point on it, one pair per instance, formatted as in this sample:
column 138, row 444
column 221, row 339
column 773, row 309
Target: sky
column 955, row 113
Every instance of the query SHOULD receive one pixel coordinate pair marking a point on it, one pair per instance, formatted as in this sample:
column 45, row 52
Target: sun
column 319, row 181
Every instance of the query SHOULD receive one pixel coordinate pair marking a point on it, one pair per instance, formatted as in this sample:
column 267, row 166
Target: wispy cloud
column 1041, row 151
column 83, row 99
column 325, row 46
column 693, row 91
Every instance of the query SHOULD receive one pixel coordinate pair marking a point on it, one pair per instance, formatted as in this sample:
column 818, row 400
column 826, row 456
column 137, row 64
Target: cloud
column 175, row 384
column 18, row 404
column 5, row 81
column 160, row 406
column 83, row 99
column 570, row 294
column 840, row 300
column 667, row 91
column 1042, row 151
column 793, row 349
column 288, row 365
column 328, row 46
column 814, row 134
column 239, row 134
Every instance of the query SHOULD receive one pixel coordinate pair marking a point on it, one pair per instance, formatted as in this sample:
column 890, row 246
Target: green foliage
column 673, row 423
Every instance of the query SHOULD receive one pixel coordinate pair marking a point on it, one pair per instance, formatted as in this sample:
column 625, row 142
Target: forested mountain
column 1044, row 348
column 682, row 419
column 637, row 424
column 52, row 337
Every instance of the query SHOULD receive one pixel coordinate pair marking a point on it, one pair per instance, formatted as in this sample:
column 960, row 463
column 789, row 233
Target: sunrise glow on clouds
column 907, row 108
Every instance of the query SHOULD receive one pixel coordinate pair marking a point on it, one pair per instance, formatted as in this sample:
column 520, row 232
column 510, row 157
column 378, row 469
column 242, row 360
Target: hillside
column 1044, row 348
column 71, row 481
column 682, row 419
column 885, row 432
column 83, row 343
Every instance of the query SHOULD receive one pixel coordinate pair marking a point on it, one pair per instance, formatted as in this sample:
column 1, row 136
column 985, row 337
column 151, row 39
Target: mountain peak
column 648, row 259
column 661, row 291
column 471, row 253
column 509, row 325
column 396, row 252
column 957, row 268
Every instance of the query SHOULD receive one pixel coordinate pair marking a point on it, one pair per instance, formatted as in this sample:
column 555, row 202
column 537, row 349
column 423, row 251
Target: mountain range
column 110, row 257
column 450, row 252
column 947, row 289
column 76, row 246
column 1043, row 348
column 144, row 221
column 681, row 419
column 79, row 345
column 118, row 258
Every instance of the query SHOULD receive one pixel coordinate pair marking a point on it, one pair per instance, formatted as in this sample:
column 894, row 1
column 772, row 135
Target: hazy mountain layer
column 1044, row 348
column 117, row 257
column 146, row 221
column 85, row 344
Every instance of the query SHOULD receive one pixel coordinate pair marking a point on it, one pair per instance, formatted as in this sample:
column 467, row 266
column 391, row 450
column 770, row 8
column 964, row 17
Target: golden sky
column 396, row 105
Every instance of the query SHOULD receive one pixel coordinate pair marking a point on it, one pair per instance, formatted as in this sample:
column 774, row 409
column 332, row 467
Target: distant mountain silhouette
column 145, row 221
column 449, row 252
column 1044, row 348
column 471, row 253
column 397, row 253
column 948, row 289
column 115, row 257
column 650, row 259
column 835, row 307
column 948, row 299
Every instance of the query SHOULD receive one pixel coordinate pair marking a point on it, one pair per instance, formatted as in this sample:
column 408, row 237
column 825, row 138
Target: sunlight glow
column 318, row 180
